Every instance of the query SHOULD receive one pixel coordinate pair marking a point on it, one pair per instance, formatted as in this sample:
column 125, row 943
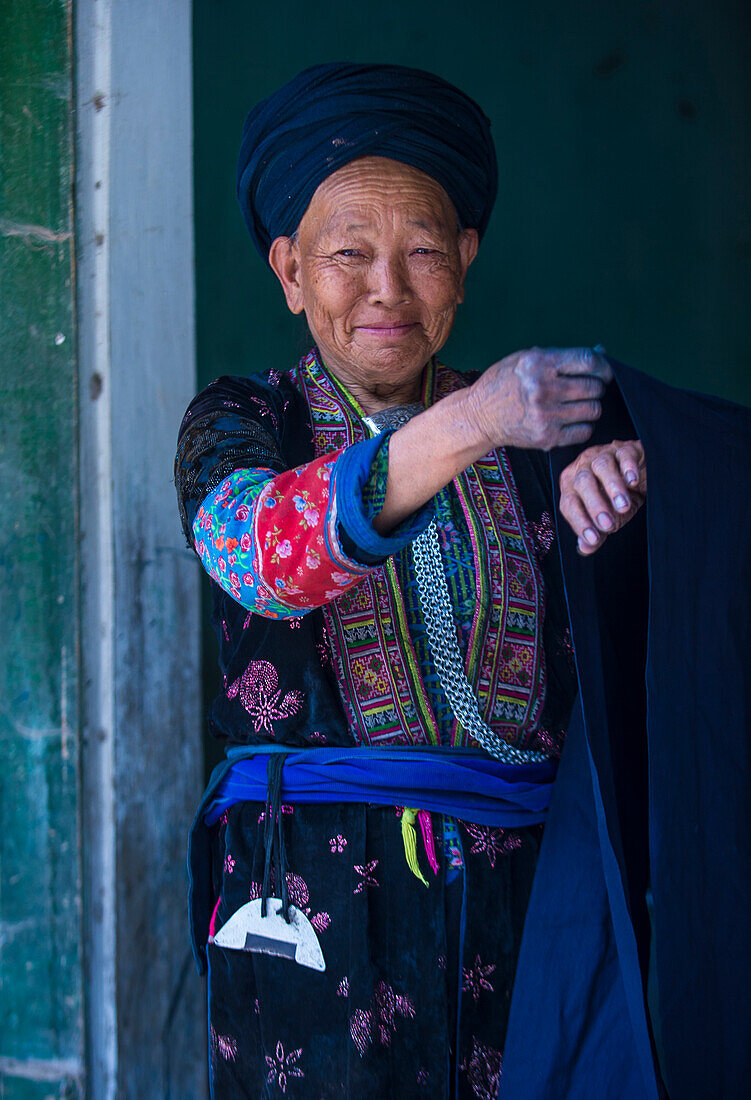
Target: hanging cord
column 273, row 836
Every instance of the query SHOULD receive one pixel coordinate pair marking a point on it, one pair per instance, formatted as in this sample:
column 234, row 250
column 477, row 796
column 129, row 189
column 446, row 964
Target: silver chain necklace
column 435, row 603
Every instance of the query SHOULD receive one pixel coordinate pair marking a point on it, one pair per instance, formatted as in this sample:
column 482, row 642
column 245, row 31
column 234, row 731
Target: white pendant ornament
column 247, row 930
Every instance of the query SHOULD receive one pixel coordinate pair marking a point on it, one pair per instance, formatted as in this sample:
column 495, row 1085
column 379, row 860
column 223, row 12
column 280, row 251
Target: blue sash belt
column 464, row 783
column 467, row 784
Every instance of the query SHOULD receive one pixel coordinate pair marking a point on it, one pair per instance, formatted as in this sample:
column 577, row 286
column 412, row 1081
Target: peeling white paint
column 41, row 1069
column 33, row 233
column 93, row 65
column 64, row 729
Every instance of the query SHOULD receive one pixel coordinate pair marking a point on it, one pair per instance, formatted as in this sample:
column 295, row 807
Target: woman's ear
column 284, row 258
column 469, row 242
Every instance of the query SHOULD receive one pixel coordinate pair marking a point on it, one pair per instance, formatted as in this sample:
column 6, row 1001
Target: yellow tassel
column 409, row 836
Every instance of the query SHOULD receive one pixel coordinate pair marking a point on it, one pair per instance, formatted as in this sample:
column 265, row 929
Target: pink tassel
column 426, row 826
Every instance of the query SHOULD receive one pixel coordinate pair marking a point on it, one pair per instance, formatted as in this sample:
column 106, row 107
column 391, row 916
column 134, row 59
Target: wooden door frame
column 141, row 739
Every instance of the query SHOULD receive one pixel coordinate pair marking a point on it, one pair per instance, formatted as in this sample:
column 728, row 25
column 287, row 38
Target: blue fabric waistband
column 463, row 783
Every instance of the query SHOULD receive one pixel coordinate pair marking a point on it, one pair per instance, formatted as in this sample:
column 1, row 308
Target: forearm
column 429, row 452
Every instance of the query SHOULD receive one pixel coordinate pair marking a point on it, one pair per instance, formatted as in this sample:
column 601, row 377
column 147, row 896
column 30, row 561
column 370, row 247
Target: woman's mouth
column 388, row 330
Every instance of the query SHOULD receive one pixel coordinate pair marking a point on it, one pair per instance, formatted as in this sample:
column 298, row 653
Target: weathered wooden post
column 100, row 751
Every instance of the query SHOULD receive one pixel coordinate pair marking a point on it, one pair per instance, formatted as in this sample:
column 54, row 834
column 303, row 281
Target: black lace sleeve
column 233, row 423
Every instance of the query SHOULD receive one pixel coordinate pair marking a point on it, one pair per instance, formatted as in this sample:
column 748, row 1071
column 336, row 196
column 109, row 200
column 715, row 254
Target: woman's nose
column 389, row 285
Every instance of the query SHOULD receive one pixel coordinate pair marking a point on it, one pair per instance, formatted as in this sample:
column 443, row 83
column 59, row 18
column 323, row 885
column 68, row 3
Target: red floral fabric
column 271, row 541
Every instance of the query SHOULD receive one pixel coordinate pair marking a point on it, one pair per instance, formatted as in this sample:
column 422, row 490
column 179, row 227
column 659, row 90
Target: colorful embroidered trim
column 505, row 662
column 382, row 688
column 374, row 489
column 376, row 667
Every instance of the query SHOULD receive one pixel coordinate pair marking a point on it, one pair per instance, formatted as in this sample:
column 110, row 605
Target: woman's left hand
column 602, row 489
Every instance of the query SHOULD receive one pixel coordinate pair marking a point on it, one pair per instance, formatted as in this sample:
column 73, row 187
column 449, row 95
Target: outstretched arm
column 274, row 542
column 539, row 398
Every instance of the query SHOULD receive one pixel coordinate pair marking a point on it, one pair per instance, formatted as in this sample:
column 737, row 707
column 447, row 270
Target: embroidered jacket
column 327, row 648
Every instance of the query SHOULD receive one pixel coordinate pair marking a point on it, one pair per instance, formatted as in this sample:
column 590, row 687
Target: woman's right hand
column 540, row 398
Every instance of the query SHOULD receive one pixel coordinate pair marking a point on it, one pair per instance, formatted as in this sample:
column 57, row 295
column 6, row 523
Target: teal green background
column 625, row 170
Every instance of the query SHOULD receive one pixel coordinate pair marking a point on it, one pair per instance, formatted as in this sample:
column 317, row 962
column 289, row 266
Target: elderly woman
column 394, row 637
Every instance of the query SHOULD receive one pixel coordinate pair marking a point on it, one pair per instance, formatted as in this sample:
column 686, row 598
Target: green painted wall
column 625, row 154
column 40, row 976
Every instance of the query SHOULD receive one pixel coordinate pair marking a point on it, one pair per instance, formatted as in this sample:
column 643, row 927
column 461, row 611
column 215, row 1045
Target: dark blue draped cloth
column 332, row 114
column 653, row 787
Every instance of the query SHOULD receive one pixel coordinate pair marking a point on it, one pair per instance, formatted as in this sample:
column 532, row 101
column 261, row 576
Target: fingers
column 578, row 404
column 571, row 434
column 579, row 388
column 595, row 500
column 541, row 397
column 602, row 489
column 630, row 458
column 613, row 481
column 581, row 361
column 573, row 510
column 579, row 412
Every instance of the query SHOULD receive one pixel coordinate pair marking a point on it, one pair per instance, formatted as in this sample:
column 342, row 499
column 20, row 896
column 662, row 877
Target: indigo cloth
column 332, row 114
column 652, row 790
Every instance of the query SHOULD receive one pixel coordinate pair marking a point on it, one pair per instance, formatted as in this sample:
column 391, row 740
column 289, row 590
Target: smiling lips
column 388, row 330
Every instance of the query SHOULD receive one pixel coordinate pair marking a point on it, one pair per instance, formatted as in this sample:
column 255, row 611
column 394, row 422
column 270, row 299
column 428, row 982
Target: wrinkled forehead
column 371, row 190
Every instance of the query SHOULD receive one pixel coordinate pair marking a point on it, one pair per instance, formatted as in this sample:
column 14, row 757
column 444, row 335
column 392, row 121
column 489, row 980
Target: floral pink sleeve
column 271, row 541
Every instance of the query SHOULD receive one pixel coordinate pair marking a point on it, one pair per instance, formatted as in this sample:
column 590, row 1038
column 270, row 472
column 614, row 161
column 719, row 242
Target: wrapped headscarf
column 332, row 114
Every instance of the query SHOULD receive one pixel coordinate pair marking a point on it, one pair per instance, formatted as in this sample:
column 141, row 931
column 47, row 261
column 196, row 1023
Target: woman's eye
column 424, row 251
column 348, row 252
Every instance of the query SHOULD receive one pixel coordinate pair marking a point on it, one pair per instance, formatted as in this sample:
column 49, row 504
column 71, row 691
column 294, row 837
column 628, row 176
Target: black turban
column 332, row 114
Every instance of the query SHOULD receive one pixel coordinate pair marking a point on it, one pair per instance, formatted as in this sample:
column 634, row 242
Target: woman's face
column 378, row 266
